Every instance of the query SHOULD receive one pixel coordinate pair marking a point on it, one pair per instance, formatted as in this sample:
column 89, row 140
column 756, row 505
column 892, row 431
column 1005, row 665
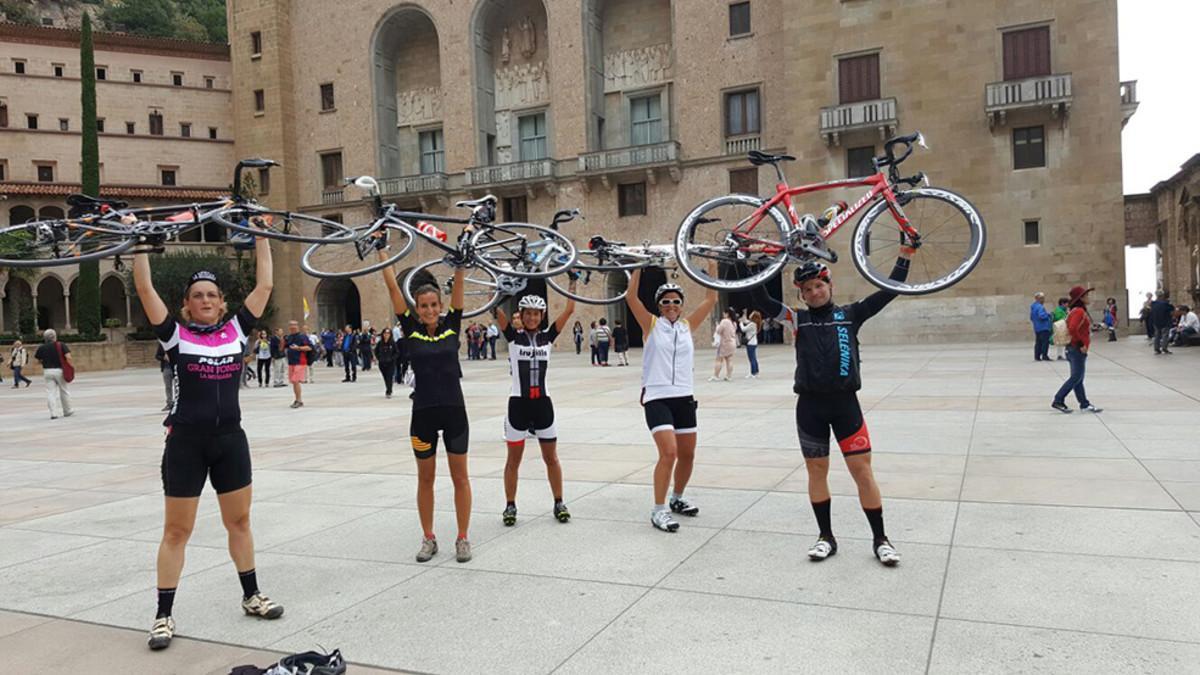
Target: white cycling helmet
column 667, row 288
column 532, row 302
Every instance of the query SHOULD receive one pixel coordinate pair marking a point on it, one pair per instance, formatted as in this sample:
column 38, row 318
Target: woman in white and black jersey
column 205, row 440
column 530, row 410
column 667, row 359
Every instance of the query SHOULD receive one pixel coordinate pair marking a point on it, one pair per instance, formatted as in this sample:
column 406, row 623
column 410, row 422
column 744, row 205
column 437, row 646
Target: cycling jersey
column 827, row 337
column 667, row 360
column 434, row 360
column 208, row 369
column 528, row 360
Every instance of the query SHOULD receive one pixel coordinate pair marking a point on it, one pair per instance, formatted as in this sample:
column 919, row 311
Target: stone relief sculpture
column 505, row 47
column 523, row 84
column 418, row 105
column 637, row 67
column 528, row 38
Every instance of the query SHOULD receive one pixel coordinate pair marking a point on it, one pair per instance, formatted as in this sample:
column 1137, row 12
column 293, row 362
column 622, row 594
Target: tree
column 154, row 18
column 170, row 274
column 87, row 299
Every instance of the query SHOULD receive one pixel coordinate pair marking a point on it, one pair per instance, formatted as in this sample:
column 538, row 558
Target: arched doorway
column 50, row 213
column 408, row 94
column 51, row 304
column 338, row 303
column 112, row 300
column 21, row 214
column 19, row 313
column 652, row 278
column 745, row 300
column 532, row 287
column 511, row 45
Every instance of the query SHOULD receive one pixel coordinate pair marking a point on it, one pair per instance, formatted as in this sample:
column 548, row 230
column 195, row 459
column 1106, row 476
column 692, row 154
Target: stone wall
column 1141, row 220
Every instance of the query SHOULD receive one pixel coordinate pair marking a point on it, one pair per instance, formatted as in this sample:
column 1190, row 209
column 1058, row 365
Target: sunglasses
column 670, row 301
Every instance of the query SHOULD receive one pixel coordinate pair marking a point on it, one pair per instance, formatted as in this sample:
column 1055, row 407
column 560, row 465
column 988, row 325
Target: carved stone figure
column 418, row 105
column 505, row 47
column 528, row 38
column 637, row 67
column 523, row 84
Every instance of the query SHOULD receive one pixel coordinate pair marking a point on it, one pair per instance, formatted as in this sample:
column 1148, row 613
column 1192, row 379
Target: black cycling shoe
column 561, row 513
column 510, row 515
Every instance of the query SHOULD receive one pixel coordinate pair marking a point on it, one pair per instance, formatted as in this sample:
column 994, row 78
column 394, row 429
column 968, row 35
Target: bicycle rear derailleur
column 805, row 241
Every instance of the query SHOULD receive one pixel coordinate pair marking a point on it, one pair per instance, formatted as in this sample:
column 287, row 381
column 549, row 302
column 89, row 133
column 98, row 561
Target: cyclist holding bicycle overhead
column 204, row 432
column 529, row 408
column 826, row 384
column 432, row 343
column 670, row 408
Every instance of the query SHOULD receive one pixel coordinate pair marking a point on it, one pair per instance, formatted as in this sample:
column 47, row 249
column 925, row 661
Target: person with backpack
column 1161, row 315
column 18, row 358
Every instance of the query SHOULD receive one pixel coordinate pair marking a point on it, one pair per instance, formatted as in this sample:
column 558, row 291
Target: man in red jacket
column 1079, row 325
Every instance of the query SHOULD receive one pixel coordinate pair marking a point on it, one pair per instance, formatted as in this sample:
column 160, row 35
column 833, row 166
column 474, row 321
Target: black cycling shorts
column 677, row 414
column 192, row 455
column 448, row 419
column 818, row 414
column 529, row 416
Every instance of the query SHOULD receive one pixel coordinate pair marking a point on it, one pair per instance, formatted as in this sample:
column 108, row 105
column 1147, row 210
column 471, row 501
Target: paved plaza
column 1031, row 541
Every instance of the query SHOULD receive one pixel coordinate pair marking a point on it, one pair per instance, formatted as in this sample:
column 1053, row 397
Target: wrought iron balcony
column 878, row 115
column 1129, row 100
column 1045, row 91
column 648, row 158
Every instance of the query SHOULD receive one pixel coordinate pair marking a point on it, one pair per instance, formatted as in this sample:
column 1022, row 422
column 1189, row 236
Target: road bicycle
column 760, row 236
column 93, row 228
column 602, row 272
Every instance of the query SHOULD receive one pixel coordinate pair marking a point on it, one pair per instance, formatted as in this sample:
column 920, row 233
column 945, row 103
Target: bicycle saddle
column 81, row 201
column 759, row 158
column 473, row 203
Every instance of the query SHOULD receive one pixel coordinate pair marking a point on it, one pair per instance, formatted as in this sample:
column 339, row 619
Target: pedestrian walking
column 1160, row 315
column 328, row 340
column 314, row 356
column 1146, row 319
column 1077, row 351
column 1110, row 318
column 667, row 398
column 365, row 342
column 603, row 341
column 262, row 353
column 18, row 358
column 299, row 350
column 750, row 327
column 1043, row 324
column 168, row 375
column 387, row 354
column 577, row 335
column 493, row 334
column 57, row 370
column 349, row 352
column 620, row 342
column 725, row 340
column 592, row 345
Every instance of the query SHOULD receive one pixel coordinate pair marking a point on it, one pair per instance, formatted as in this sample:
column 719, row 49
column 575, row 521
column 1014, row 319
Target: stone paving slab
column 1019, row 528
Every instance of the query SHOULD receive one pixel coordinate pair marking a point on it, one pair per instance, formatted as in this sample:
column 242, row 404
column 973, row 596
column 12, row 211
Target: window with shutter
column 858, row 78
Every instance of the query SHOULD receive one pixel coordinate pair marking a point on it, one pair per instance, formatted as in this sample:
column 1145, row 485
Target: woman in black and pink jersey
column 204, row 433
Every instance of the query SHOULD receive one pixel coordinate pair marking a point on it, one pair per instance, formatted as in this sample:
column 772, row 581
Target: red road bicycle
column 755, row 237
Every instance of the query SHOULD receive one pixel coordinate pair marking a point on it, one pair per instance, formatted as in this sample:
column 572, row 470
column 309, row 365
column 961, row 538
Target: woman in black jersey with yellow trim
column 432, row 344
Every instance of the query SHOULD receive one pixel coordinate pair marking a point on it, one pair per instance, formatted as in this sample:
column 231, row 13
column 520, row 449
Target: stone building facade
column 1169, row 217
column 166, row 137
column 637, row 110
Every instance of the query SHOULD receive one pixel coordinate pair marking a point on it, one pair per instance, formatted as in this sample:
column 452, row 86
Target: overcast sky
column 1159, row 49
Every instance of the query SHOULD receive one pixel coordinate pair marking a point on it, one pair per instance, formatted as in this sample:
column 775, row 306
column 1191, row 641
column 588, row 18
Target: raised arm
column 264, row 276
column 458, row 292
column 710, row 300
column 561, row 322
column 875, row 302
column 640, row 313
column 501, row 320
column 393, row 287
column 152, row 304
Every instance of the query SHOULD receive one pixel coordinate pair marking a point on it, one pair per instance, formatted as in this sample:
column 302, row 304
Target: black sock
column 166, row 601
column 821, row 509
column 558, row 501
column 875, row 518
column 249, row 583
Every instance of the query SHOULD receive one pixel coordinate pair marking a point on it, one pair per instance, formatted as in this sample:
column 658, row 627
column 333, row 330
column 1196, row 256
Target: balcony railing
column 1045, row 91
column 535, row 170
column 878, row 114
column 413, row 185
column 334, row 196
column 632, row 157
column 1129, row 100
column 742, row 144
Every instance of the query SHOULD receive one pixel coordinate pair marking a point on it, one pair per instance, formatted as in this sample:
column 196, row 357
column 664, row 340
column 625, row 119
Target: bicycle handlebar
column 251, row 163
column 889, row 154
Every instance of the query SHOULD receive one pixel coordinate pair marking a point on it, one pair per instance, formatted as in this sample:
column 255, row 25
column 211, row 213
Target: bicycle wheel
column 47, row 243
column 597, row 283
column 720, row 229
column 483, row 290
column 282, row 225
column 953, row 238
column 337, row 258
column 523, row 250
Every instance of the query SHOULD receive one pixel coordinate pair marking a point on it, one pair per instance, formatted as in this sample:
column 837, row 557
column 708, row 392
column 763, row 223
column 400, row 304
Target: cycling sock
column 659, row 507
column 875, row 518
column 429, row 536
column 512, row 504
column 821, row 510
column 675, row 496
column 249, row 583
column 166, row 601
column 558, row 500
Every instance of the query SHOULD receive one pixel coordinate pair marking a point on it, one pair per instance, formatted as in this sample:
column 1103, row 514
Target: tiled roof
column 121, row 191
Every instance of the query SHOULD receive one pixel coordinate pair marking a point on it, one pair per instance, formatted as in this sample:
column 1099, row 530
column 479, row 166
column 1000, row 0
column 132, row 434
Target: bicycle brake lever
column 921, row 140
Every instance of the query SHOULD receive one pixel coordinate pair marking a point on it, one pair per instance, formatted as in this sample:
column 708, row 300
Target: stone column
column 67, row 302
column 128, row 312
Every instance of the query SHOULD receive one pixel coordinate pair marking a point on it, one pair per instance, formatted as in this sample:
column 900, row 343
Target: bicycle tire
column 477, row 302
column 516, row 260
column 312, row 263
column 974, row 252
column 89, row 234
column 686, row 232
column 597, row 274
column 329, row 229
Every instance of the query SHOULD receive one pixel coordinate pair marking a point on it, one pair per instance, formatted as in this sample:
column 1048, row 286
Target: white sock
column 675, row 496
column 659, row 507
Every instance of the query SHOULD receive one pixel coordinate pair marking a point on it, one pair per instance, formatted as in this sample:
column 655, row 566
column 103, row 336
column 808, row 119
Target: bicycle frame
column 880, row 186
